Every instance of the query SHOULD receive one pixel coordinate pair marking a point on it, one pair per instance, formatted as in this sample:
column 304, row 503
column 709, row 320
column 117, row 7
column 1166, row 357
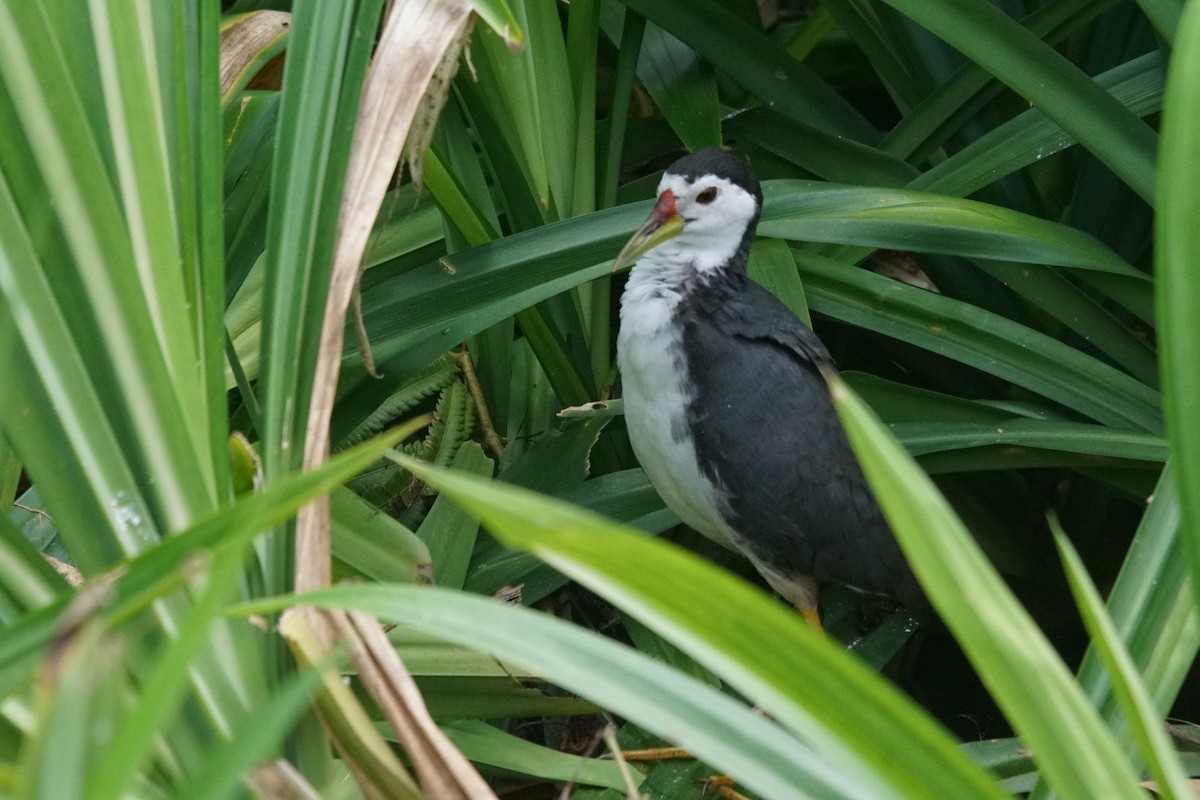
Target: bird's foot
column 813, row 618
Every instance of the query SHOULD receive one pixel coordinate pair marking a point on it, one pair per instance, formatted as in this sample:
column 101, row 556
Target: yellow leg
column 813, row 618
column 802, row 591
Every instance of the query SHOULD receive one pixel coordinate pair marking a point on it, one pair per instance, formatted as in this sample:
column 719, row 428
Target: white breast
column 653, row 374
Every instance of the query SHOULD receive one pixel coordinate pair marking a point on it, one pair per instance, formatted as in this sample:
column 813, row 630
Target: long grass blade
column 1016, row 662
column 733, row 630
column 1177, row 242
column 1130, row 692
column 1039, row 73
column 713, row 726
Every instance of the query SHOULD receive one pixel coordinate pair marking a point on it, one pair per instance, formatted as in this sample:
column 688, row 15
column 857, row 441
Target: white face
column 715, row 213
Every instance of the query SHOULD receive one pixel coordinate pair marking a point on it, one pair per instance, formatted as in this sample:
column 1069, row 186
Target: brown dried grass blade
column 370, row 760
column 413, row 65
column 248, row 42
column 416, row 35
column 442, row 770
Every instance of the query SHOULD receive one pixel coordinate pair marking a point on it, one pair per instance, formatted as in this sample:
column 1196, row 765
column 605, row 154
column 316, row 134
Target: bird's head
column 708, row 205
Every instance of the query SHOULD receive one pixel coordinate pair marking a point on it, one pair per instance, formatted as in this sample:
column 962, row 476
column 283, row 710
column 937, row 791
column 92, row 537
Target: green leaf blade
column 1025, row 675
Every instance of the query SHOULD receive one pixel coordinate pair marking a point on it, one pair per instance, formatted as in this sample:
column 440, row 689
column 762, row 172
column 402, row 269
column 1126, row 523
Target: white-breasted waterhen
column 726, row 404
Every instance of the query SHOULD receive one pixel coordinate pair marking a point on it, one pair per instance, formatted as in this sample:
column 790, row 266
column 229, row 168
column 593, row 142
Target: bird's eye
column 707, row 196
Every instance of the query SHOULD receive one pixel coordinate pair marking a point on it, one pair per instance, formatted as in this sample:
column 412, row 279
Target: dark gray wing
column 795, row 489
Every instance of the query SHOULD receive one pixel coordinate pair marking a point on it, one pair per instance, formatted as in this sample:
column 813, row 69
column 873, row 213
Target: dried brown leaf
column 370, row 760
column 416, row 34
column 443, row 771
column 248, row 42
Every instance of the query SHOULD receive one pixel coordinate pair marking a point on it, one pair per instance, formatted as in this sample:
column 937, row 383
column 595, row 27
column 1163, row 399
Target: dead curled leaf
column 410, row 74
column 249, row 41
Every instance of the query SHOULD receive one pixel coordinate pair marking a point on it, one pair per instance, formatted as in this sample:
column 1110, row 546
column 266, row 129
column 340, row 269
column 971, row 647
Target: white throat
column 715, row 213
column 654, row 386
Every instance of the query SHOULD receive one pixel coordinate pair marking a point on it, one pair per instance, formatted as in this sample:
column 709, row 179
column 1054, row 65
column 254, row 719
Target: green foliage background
column 164, row 255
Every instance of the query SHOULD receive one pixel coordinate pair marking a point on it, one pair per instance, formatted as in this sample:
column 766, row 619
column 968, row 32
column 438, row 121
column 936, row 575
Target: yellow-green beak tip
column 663, row 224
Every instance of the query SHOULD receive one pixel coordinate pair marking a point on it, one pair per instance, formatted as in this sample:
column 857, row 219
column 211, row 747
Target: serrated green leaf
column 447, row 530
